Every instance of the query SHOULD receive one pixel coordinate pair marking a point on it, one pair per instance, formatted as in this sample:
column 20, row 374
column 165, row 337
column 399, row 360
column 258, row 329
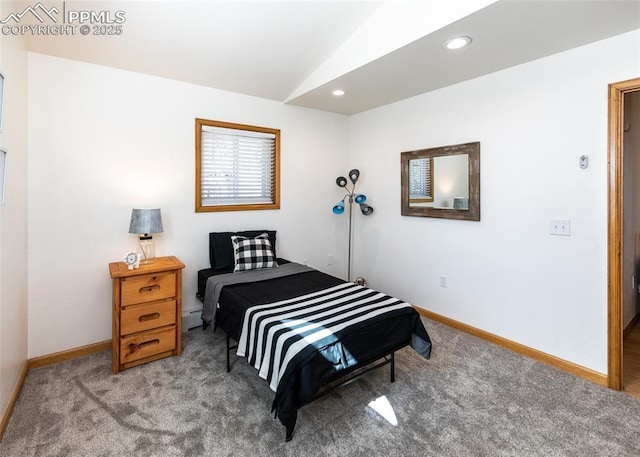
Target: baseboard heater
column 192, row 320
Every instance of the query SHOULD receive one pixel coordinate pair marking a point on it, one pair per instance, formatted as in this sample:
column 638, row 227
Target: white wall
column 13, row 220
column 102, row 141
column 506, row 274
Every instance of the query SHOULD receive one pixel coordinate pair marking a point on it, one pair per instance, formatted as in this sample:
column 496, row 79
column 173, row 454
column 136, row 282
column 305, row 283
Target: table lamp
column 145, row 222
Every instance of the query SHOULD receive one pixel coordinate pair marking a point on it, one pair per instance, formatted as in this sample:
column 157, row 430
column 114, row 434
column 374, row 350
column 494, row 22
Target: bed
column 304, row 331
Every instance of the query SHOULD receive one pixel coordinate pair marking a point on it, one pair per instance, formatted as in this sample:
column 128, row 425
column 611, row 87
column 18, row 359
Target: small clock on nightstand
column 132, row 260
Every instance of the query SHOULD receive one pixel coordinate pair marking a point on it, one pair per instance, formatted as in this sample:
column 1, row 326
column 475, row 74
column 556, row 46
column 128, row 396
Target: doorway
column 616, row 258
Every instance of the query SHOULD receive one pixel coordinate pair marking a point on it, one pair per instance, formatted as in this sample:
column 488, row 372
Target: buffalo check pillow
column 252, row 253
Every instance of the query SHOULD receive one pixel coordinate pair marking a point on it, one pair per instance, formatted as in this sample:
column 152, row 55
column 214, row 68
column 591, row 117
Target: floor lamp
column 351, row 197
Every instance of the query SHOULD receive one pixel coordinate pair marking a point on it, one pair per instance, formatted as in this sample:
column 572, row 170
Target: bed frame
column 346, row 377
column 323, row 381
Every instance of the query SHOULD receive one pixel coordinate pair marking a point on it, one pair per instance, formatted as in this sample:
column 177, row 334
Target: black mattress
column 206, row 273
column 366, row 346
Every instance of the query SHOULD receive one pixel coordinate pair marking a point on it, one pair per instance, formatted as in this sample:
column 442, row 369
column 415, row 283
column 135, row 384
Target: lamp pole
column 350, row 222
column 360, row 199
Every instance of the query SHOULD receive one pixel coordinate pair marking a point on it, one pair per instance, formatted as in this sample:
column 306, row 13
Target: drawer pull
column 148, row 317
column 149, row 288
column 134, row 347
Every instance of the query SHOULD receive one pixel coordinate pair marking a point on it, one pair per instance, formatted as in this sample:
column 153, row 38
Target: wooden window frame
column 275, row 188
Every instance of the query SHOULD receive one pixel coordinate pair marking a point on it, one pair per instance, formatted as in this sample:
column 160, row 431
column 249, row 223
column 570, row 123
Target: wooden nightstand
column 147, row 312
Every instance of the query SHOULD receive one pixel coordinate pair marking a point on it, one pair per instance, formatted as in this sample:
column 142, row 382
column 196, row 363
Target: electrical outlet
column 330, row 260
column 560, row 227
column 443, row 281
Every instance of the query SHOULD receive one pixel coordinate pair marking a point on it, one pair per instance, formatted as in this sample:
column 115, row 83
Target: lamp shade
column 366, row 209
column 354, row 175
column 360, row 198
column 145, row 221
column 338, row 208
column 341, row 181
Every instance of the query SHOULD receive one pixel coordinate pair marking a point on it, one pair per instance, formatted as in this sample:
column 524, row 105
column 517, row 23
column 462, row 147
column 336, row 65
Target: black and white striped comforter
column 274, row 334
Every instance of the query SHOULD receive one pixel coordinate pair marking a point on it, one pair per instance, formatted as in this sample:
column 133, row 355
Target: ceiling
column 297, row 52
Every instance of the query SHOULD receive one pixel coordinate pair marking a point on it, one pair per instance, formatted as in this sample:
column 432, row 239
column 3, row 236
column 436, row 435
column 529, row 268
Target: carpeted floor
column 471, row 399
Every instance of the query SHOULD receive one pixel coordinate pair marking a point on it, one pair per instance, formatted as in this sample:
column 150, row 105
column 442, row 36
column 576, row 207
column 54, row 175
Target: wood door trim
column 615, row 225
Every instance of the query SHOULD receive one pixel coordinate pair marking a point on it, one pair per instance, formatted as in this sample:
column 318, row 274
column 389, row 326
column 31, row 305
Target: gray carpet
column 471, row 399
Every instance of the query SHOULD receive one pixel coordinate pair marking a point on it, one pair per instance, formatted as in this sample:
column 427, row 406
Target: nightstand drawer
column 139, row 318
column 141, row 289
column 147, row 344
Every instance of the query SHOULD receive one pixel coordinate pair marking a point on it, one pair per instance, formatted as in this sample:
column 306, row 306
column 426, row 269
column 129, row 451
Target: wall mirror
column 442, row 182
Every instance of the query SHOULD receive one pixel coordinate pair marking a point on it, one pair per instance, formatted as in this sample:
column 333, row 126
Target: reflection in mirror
column 420, row 181
column 442, row 182
column 452, row 175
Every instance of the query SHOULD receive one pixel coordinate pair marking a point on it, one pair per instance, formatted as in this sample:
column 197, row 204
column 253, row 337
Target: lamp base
column 147, row 249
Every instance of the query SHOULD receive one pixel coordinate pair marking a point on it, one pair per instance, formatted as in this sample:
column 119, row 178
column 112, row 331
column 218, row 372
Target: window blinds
column 420, row 179
column 237, row 166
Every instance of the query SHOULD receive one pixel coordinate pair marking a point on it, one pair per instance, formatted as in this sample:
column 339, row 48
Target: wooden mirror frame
column 471, row 214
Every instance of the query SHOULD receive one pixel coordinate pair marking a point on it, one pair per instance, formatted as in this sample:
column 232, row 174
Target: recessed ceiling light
column 457, row 42
column 338, row 92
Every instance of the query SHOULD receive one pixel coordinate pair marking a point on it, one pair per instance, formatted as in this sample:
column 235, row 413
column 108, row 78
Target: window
column 421, row 180
column 237, row 167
